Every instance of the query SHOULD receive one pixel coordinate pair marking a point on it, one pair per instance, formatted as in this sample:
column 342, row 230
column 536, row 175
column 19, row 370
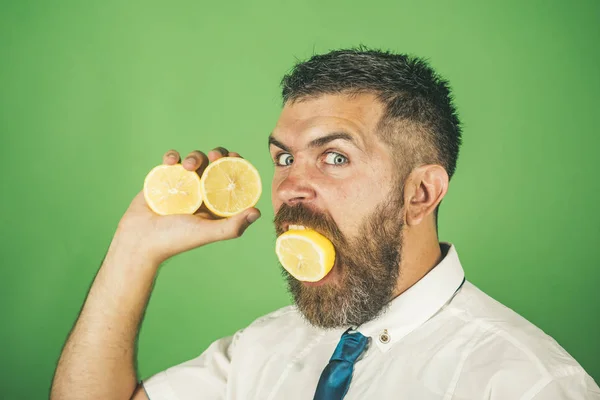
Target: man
column 364, row 149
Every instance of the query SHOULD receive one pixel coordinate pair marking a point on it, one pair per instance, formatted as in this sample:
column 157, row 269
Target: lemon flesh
column 230, row 185
column 306, row 254
column 171, row 189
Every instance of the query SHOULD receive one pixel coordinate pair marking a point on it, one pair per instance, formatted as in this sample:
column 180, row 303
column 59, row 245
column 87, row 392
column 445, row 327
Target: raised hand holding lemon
column 162, row 236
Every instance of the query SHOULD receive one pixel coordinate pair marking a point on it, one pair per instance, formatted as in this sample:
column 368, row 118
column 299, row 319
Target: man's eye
column 284, row 159
column 334, row 158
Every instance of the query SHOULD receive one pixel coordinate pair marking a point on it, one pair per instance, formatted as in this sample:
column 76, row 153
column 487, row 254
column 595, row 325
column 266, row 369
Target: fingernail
column 190, row 160
column 173, row 156
column 252, row 217
column 222, row 151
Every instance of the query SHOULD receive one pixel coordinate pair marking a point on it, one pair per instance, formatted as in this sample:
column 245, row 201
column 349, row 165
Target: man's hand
column 98, row 359
column 160, row 237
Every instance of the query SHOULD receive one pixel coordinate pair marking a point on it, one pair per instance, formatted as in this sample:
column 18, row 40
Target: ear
column 425, row 188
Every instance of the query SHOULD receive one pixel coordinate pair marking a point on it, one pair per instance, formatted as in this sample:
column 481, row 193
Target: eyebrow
column 318, row 142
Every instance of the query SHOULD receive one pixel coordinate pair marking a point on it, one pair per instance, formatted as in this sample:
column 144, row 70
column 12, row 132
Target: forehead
column 354, row 114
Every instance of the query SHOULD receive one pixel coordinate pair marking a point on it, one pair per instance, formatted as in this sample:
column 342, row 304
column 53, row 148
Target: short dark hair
column 413, row 95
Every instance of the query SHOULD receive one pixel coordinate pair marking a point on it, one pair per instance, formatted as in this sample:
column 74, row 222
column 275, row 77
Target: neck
column 420, row 254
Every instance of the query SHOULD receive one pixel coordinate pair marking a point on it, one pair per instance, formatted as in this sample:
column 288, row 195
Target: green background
column 93, row 93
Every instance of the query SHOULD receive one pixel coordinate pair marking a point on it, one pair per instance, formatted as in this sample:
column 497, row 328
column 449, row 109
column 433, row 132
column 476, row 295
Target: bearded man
column 364, row 150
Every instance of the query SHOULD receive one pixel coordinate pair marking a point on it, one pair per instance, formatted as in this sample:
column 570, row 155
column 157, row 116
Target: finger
column 139, row 203
column 194, row 231
column 171, row 157
column 195, row 161
column 139, row 200
column 217, row 153
column 234, row 154
column 205, row 213
column 235, row 226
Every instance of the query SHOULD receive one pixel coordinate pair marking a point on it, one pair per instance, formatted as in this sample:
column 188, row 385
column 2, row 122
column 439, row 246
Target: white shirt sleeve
column 203, row 377
column 573, row 387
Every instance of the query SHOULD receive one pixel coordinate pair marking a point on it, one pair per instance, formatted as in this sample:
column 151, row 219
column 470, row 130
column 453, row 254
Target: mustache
column 300, row 214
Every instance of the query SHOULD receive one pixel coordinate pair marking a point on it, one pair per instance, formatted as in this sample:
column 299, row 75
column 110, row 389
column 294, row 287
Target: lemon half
column 230, row 185
column 171, row 189
column 306, row 254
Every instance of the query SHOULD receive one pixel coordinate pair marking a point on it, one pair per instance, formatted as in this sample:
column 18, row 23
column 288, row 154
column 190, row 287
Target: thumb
column 236, row 225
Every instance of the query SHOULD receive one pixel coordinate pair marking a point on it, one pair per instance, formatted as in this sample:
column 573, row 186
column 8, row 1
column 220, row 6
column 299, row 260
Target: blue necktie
column 335, row 378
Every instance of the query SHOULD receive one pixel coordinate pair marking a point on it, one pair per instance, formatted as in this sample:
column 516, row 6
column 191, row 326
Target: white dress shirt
column 432, row 342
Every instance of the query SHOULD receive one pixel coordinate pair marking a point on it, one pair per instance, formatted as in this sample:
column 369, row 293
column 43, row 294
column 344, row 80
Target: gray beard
column 368, row 271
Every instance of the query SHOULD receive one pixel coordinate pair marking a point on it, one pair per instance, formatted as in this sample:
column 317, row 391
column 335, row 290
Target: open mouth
column 289, row 227
column 296, row 227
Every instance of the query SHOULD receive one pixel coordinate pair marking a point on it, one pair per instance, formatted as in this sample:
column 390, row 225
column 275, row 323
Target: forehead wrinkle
column 318, row 134
column 357, row 115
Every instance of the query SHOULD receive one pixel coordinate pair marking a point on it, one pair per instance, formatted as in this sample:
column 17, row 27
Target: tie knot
column 350, row 347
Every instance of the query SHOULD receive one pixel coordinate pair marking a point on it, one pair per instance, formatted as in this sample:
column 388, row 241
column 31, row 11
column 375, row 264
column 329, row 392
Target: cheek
column 349, row 205
column 275, row 201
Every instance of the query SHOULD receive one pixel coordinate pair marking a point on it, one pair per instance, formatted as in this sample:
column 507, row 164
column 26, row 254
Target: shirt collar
column 420, row 302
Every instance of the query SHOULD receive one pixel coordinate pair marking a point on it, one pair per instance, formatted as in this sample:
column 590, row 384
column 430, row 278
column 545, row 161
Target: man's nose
column 296, row 187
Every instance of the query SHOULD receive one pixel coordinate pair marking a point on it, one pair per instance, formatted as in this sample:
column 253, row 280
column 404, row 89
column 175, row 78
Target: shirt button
column 384, row 337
